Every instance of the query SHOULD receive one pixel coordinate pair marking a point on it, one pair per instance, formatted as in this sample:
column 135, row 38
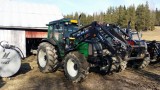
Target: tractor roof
column 63, row 21
column 60, row 21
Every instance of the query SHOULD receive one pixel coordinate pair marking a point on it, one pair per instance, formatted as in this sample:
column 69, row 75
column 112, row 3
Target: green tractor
column 79, row 49
column 52, row 50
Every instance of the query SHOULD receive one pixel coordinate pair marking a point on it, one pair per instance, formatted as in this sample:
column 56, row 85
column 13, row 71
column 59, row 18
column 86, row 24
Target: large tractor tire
column 75, row 66
column 144, row 63
column 118, row 64
column 123, row 65
column 140, row 64
column 47, row 57
column 107, row 69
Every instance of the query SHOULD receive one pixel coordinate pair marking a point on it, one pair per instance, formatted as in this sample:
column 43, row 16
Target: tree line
column 142, row 18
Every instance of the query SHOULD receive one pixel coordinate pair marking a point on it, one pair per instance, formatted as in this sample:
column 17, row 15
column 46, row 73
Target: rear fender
column 51, row 41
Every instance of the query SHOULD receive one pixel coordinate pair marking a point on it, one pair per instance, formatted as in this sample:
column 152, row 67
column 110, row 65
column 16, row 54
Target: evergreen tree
column 108, row 16
column 157, row 14
column 122, row 16
column 76, row 16
column 131, row 15
column 147, row 17
column 141, row 17
column 89, row 19
column 83, row 19
column 152, row 20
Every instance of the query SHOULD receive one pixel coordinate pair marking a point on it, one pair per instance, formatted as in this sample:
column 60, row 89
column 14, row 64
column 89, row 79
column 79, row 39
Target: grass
column 152, row 35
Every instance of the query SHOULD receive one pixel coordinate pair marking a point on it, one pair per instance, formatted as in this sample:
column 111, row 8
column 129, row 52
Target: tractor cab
column 60, row 30
column 135, row 38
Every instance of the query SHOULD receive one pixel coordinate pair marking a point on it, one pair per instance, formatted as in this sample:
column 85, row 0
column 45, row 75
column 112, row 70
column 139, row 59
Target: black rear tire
column 75, row 66
column 140, row 64
column 118, row 65
column 47, row 57
column 107, row 70
column 144, row 63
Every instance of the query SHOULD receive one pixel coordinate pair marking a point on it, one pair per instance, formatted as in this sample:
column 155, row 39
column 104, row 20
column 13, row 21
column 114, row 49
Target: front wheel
column 118, row 65
column 75, row 66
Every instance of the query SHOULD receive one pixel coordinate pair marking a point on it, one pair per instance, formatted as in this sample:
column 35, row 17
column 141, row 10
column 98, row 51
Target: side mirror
column 79, row 16
column 140, row 35
column 79, row 21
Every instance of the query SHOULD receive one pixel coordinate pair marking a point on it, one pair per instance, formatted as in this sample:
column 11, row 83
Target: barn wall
column 14, row 37
column 36, row 34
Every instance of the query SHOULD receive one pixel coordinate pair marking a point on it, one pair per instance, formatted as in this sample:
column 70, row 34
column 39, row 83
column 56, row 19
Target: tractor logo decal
column 5, row 56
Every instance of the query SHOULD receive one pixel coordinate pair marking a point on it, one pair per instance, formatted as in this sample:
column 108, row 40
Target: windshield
column 58, row 28
column 66, row 27
column 72, row 28
column 135, row 36
column 69, row 29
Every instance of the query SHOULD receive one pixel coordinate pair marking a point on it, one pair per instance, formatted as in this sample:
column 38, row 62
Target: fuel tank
column 10, row 61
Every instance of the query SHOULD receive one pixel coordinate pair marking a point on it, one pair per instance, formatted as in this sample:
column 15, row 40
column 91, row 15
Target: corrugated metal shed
column 15, row 37
column 20, row 14
column 23, row 23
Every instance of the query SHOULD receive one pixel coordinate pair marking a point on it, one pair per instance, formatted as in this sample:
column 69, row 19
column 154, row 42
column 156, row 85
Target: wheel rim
column 72, row 68
column 42, row 58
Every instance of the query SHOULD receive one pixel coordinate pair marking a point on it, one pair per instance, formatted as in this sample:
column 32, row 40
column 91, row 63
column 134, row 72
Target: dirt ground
column 30, row 78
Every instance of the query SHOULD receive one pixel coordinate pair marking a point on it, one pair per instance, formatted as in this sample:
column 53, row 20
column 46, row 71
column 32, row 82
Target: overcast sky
column 91, row 6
